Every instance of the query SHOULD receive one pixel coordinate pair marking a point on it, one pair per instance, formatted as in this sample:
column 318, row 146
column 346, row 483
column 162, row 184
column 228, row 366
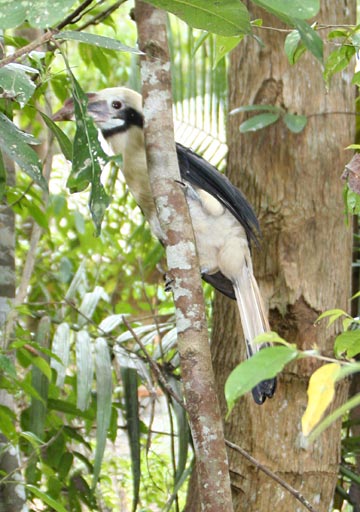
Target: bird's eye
column 116, row 104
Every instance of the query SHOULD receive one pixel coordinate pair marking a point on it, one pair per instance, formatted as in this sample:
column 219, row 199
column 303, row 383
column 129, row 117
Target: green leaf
column 6, row 365
column 227, row 18
column 38, row 13
column 129, row 380
column 7, row 422
column 293, row 47
column 103, row 402
column 337, row 61
column 265, row 364
column 311, row 39
column 100, row 41
column 224, row 45
column 88, row 158
column 347, row 343
column 85, row 369
column 258, row 122
column 15, row 144
column 63, row 140
column 301, row 9
column 89, row 303
column 45, row 498
column 334, row 314
column 41, row 376
column 255, row 108
column 15, row 83
column 61, row 348
column 295, row 123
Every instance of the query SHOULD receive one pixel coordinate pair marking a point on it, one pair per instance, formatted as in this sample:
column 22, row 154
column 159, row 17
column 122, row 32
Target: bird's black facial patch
column 129, row 116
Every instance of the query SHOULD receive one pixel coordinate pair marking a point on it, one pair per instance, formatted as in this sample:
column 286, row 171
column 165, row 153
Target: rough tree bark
column 12, row 492
column 305, row 262
column 197, row 373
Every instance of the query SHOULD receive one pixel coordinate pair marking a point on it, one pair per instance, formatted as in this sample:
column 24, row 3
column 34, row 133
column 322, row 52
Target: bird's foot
column 168, row 282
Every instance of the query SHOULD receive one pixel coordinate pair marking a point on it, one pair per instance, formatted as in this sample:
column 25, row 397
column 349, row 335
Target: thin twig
column 75, row 15
column 272, row 475
column 45, row 38
column 154, row 365
column 102, row 15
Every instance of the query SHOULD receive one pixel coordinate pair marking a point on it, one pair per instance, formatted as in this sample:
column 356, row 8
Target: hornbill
column 224, row 222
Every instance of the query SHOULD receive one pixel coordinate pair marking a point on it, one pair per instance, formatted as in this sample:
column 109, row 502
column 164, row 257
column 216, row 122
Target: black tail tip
column 264, row 390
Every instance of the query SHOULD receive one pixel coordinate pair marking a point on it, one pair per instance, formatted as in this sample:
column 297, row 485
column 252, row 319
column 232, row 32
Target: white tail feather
column 252, row 313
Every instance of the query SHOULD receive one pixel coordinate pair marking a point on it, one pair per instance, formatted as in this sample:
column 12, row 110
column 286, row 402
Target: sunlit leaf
column 263, row 365
column 89, row 303
column 85, row 369
column 332, row 315
column 227, row 18
column 348, row 343
column 302, row 9
column 223, row 45
column 14, row 143
column 103, row 402
column 320, row 392
column 61, row 348
column 37, row 12
column 15, row 84
column 293, row 47
column 96, row 40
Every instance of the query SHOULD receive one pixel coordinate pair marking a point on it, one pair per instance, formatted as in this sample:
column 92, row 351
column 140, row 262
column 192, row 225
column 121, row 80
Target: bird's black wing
column 198, row 172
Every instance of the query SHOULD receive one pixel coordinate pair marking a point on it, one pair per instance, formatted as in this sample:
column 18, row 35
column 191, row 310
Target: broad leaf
column 227, row 18
column 85, row 369
column 265, row 364
column 223, row 45
column 294, row 122
column 39, row 13
column 103, row 402
column 15, row 84
column 258, row 122
column 320, row 392
column 129, row 380
column 88, row 158
column 46, row 498
column 348, row 343
column 63, row 140
column 14, row 143
column 293, row 47
column 301, row 9
column 311, row 39
column 61, row 348
column 94, row 39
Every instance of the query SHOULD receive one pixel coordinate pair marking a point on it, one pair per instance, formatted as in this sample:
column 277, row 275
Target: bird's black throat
column 130, row 117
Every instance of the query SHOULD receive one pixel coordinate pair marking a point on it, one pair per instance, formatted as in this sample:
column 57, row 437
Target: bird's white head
column 115, row 110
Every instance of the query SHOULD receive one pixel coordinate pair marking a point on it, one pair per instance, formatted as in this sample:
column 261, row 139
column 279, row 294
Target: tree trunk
column 304, row 264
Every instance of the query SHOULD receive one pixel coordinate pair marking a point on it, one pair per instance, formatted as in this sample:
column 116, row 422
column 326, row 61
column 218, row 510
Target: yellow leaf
column 320, row 392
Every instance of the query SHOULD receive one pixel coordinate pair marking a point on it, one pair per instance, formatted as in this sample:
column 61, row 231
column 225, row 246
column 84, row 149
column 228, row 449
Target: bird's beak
column 97, row 108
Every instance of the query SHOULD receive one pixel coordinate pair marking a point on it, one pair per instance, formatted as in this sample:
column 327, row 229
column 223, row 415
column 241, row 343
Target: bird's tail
column 254, row 321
